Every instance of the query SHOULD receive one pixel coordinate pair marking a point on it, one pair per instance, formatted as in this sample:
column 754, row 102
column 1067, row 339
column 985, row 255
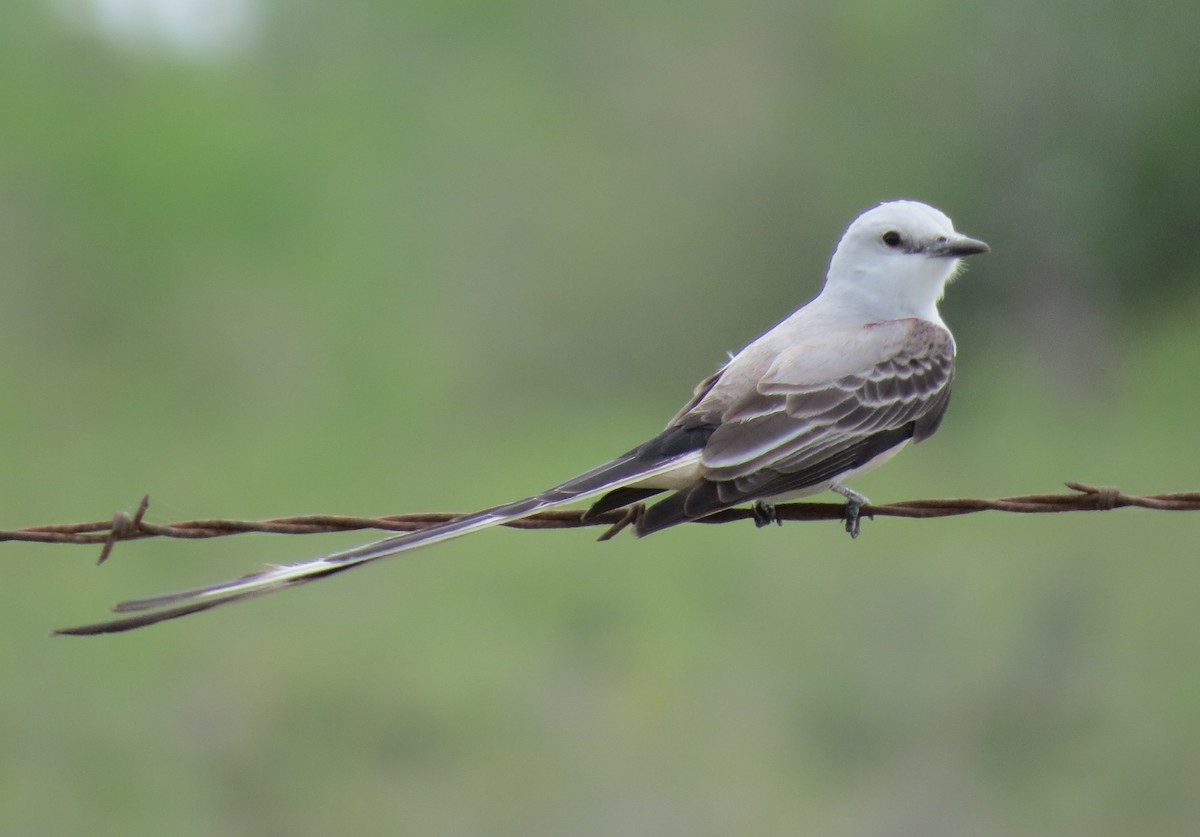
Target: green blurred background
column 267, row 258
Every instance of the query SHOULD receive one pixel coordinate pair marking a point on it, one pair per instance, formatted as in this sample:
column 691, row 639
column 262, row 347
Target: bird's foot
column 765, row 514
column 853, row 511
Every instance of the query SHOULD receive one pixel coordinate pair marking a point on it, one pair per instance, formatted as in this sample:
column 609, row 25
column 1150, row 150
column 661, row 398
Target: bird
column 834, row 390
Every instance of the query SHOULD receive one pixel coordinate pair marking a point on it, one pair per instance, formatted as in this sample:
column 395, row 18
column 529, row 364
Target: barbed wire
column 124, row 526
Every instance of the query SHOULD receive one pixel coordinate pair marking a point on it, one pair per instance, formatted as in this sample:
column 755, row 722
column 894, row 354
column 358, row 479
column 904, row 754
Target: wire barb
column 125, row 527
column 122, row 528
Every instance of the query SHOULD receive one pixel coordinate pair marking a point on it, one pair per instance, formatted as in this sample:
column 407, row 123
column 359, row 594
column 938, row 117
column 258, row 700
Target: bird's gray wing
column 794, row 431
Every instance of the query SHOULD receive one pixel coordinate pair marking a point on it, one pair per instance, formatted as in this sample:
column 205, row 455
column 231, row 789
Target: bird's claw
column 853, row 510
column 765, row 514
column 853, row 518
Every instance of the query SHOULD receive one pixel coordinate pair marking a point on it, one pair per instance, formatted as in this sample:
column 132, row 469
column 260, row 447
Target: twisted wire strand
column 126, row 527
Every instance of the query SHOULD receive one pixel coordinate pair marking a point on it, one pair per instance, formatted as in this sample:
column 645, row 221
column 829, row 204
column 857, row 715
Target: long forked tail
column 631, row 467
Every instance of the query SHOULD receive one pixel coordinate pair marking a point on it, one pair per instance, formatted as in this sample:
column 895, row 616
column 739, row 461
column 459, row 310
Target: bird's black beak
column 957, row 247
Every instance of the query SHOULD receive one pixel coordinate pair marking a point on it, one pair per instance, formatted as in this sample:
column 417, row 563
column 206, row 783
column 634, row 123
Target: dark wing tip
column 618, row 498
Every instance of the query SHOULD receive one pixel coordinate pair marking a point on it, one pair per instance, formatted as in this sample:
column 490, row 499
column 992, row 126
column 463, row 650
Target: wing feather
column 793, row 431
column 891, row 392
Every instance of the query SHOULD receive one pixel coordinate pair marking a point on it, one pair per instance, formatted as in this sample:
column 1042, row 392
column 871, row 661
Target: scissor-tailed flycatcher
column 836, row 389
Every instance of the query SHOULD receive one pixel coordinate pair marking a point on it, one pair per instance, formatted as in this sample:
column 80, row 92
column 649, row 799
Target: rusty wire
column 126, row 527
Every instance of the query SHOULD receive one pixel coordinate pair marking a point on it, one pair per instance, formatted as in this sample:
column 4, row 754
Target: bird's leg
column 765, row 514
column 854, row 504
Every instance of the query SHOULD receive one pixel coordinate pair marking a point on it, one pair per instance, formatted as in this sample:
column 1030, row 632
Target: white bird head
column 894, row 261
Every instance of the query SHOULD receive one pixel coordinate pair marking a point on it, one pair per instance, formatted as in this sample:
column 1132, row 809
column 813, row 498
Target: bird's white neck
column 876, row 296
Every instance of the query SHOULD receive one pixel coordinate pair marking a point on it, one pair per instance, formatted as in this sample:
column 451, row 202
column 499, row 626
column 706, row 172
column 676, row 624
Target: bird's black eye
column 892, row 238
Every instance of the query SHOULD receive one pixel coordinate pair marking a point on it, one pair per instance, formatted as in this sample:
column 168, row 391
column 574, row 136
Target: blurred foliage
column 371, row 257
